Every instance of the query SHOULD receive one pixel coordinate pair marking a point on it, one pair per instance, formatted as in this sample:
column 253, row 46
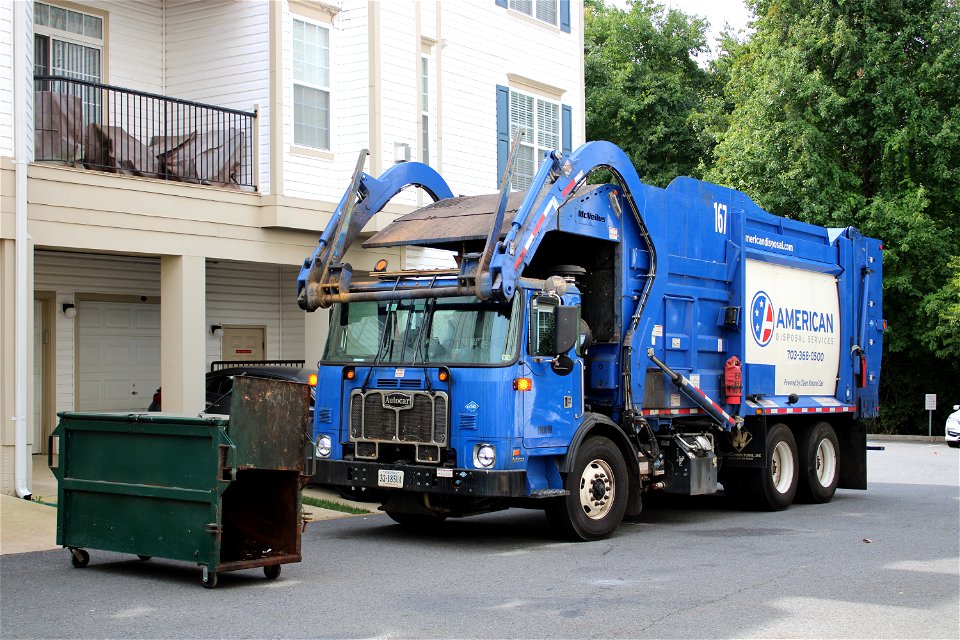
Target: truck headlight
column 484, row 456
column 324, row 446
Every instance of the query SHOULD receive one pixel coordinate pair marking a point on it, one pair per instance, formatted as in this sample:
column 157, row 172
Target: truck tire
column 598, row 487
column 819, row 464
column 777, row 485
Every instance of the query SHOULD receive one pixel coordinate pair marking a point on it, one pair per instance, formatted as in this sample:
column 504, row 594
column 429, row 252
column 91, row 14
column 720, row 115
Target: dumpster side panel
column 164, row 528
column 141, row 485
column 269, row 423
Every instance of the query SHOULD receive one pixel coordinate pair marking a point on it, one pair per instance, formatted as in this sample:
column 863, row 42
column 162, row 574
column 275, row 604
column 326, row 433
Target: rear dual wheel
column 773, row 487
column 819, row 464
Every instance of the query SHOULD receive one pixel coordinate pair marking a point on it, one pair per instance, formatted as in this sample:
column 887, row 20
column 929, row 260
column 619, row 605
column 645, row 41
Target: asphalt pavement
column 881, row 563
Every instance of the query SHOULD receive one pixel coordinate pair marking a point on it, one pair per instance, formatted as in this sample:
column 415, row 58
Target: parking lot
column 884, row 563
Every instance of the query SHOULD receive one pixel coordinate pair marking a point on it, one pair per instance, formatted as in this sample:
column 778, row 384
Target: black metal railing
column 131, row 132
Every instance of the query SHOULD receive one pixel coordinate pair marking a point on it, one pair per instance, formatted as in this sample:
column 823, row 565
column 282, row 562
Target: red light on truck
column 523, row 384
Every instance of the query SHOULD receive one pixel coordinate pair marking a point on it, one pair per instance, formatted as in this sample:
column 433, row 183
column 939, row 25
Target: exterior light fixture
column 216, row 330
column 69, row 310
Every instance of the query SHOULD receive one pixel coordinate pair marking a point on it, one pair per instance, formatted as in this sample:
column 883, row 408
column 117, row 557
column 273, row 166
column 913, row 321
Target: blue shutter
column 501, row 3
column 503, row 130
column 564, row 15
column 566, row 129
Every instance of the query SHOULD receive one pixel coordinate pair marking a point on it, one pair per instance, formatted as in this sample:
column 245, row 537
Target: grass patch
column 43, row 501
column 333, row 506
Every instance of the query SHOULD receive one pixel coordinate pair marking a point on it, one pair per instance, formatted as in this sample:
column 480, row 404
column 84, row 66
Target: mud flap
column 853, row 455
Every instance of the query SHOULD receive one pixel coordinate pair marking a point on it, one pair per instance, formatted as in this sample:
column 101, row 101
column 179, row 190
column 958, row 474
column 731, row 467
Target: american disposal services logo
column 762, row 318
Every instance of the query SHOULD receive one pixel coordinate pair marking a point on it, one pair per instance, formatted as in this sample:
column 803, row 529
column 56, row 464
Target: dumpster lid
column 152, row 417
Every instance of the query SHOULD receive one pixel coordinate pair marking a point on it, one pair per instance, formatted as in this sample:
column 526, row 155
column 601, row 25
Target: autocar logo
column 761, row 318
column 397, row 400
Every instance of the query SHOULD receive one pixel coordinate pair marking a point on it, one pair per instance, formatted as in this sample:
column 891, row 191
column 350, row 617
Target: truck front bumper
column 422, row 478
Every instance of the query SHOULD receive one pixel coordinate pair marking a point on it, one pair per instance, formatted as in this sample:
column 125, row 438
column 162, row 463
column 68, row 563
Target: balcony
column 123, row 131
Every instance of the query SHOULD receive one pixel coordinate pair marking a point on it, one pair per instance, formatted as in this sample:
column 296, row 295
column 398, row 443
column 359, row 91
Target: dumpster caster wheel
column 79, row 558
column 144, row 558
column 272, row 571
column 208, row 578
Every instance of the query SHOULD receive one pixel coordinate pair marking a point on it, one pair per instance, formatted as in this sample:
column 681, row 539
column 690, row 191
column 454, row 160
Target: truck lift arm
column 322, row 273
column 557, row 178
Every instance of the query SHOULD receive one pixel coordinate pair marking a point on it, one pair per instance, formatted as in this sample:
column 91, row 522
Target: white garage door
column 119, row 355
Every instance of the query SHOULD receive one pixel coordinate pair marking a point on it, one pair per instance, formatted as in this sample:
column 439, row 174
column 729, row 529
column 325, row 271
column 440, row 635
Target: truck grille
column 414, row 417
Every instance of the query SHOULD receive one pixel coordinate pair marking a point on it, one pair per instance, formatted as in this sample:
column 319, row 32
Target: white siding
column 6, row 79
column 219, row 53
column 425, row 258
column 472, row 67
column 307, row 176
column 292, row 317
column 134, row 41
column 254, row 295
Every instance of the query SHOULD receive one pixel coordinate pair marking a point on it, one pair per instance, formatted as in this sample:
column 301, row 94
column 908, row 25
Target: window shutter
column 564, row 15
column 501, row 3
column 503, row 130
column 566, row 128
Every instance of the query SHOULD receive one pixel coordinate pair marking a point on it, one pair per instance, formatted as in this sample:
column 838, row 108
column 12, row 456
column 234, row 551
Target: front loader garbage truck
column 595, row 343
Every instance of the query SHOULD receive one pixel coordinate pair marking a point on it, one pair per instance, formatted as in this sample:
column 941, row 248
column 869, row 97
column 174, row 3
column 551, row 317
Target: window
column 425, row 109
column 311, row 84
column 539, row 120
column 546, row 10
column 70, row 44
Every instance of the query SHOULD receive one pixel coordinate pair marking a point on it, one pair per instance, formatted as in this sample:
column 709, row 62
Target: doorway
column 243, row 343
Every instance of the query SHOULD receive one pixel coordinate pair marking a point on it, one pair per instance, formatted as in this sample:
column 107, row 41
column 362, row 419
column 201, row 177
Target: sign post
column 930, row 404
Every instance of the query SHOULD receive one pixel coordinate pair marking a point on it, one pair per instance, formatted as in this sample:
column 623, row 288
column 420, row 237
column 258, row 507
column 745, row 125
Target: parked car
column 952, row 428
column 219, row 385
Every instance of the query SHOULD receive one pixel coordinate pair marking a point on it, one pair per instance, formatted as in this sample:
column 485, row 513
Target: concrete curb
column 892, row 437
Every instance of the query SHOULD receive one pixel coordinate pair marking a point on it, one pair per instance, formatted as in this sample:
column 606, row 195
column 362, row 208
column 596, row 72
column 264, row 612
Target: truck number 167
column 720, row 217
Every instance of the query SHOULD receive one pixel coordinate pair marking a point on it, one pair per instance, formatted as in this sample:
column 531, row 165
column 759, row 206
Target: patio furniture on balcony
column 129, row 132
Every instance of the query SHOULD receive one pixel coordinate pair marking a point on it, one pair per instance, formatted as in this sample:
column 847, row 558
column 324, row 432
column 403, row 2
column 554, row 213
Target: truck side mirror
column 567, row 328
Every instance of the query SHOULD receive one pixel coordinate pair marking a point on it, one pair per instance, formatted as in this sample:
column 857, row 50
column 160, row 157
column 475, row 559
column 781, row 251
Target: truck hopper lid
column 447, row 224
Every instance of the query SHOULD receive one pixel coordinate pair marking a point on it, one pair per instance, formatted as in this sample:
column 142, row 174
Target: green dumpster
column 221, row 493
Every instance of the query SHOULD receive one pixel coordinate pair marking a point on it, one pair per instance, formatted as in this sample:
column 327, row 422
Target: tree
column 642, row 86
column 848, row 113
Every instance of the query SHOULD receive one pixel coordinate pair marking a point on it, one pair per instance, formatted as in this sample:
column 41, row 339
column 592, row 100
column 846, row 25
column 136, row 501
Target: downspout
column 20, row 160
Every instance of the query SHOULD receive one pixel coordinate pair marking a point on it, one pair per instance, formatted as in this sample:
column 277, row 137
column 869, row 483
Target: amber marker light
column 312, row 379
column 443, row 375
column 523, row 384
column 381, row 265
column 349, row 373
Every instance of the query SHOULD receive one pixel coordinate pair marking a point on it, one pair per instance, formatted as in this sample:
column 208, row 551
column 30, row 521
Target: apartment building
column 166, row 166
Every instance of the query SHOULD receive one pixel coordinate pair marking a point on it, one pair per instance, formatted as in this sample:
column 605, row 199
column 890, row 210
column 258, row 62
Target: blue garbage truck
column 598, row 339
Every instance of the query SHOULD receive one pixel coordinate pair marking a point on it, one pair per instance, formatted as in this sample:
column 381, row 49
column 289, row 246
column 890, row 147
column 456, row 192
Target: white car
column 952, row 430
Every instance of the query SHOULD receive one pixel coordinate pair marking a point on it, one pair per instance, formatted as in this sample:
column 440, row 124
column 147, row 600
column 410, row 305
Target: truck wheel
column 208, row 578
column 79, row 558
column 778, row 479
column 272, row 571
column 819, row 459
column 598, row 487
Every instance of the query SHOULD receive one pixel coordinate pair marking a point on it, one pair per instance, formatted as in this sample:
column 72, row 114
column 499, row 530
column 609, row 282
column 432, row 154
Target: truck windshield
column 445, row 330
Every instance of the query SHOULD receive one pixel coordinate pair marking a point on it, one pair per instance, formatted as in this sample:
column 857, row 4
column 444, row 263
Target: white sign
column 793, row 323
column 930, row 402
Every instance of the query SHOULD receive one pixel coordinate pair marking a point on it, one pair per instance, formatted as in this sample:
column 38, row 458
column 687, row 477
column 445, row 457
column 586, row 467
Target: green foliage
column 642, row 86
column 848, row 113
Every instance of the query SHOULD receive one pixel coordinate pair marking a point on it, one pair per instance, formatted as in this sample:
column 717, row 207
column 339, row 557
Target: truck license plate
column 390, row 478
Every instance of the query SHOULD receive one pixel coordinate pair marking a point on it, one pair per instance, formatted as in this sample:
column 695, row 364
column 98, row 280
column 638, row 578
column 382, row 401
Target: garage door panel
column 119, row 351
